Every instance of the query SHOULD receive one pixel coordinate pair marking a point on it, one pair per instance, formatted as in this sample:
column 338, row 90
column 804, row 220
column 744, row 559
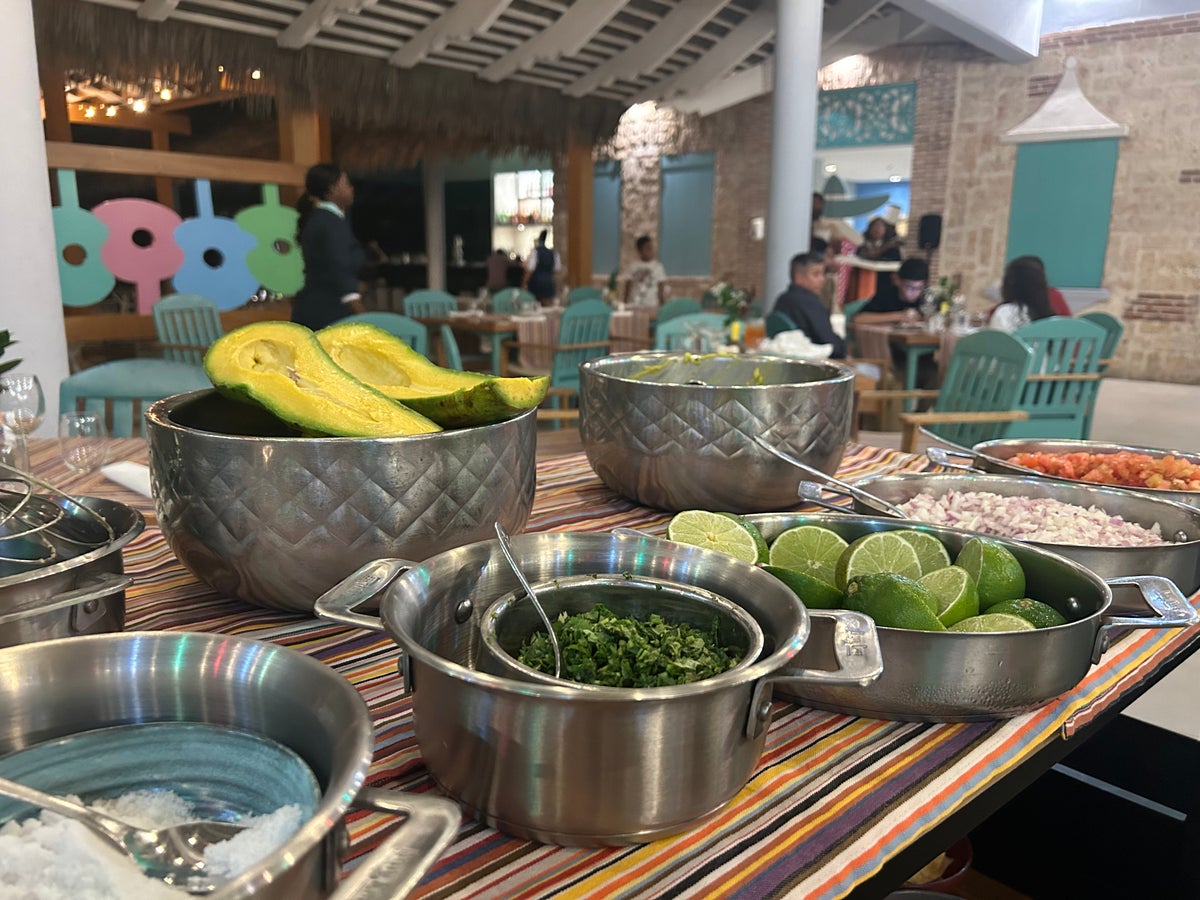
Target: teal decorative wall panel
column 685, row 228
column 606, row 216
column 856, row 117
column 1061, row 207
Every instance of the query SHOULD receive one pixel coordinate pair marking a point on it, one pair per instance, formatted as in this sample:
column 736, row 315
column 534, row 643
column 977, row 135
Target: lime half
column 931, row 552
column 992, row 622
column 759, row 541
column 1038, row 614
column 715, row 531
column 956, row 594
column 996, row 571
column 872, row 554
column 809, row 549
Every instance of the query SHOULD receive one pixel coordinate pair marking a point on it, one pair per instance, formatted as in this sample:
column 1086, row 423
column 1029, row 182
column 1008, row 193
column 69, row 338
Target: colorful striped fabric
column 833, row 796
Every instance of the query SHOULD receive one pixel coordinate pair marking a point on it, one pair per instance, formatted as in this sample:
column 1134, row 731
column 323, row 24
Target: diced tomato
column 1124, row 468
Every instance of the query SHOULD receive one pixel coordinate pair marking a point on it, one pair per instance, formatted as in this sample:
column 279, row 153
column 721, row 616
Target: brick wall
column 1142, row 74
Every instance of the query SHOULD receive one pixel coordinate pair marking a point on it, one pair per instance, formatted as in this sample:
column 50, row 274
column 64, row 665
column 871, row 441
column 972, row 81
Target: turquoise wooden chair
column 1064, row 378
column 450, row 348
column 409, row 330
column 682, row 332
column 678, row 306
column 185, row 325
column 579, row 294
column 120, row 389
column 509, row 300
column 777, row 323
column 427, row 304
column 979, row 395
column 850, row 310
column 1113, row 330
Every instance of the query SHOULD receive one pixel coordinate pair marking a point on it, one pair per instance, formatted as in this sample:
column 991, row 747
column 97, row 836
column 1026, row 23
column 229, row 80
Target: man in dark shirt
column 898, row 292
column 802, row 304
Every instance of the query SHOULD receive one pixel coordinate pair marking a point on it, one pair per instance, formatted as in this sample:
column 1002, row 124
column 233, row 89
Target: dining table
column 497, row 327
column 838, row 805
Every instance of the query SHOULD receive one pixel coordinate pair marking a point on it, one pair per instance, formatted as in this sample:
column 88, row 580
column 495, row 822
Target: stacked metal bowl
column 676, row 431
column 276, row 519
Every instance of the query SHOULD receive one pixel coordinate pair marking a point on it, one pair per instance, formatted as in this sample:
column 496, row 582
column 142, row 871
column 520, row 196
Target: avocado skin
column 451, row 398
column 282, row 367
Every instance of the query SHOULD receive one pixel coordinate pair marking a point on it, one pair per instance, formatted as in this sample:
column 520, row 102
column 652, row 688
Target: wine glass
column 22, row 402
column 81, row 441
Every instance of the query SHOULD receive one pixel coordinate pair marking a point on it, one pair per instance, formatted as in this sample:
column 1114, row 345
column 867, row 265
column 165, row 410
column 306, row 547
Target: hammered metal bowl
column 676, row 431
column 276, row 519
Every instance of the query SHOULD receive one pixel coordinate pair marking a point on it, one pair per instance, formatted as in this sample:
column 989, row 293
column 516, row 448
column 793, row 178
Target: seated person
column 897, row 294
column 801, row 302
column 1024, row 293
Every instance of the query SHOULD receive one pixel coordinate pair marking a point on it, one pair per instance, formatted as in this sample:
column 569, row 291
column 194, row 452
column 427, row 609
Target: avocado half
column 282, row 367
column 451, row 398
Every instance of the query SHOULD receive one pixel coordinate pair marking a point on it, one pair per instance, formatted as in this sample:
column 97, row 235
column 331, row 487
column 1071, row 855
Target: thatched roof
column 385, row 115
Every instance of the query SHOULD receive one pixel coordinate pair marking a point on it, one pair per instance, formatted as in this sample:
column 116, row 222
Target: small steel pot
column 83, row 594
column 1179, row 560
column 959, row 677
column 587, row 766
column 58, row 688
column 994, row 456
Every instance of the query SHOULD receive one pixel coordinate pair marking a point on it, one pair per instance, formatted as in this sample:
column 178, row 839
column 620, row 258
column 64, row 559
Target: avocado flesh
column 281, row 366
column 451, row 398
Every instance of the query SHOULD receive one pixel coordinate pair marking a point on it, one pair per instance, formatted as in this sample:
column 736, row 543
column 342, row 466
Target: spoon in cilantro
column 512, row 562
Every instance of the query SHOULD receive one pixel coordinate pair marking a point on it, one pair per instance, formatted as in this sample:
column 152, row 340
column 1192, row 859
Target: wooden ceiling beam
column 316, row 16
column 157, row 163
column 463, row 20
column 654, row 48
column 729, row 91
column 198, row 100
column 742, row 40
column 157, row 10
column 566, row 36
column 127, row 118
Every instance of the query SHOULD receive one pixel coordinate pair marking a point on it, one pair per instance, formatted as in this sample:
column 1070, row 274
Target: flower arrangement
column 6, row 341
column 943, row 295
column 733, row 301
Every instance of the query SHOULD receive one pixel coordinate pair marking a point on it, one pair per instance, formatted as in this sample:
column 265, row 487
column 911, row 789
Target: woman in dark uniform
column 540, row 268
column 333, row 257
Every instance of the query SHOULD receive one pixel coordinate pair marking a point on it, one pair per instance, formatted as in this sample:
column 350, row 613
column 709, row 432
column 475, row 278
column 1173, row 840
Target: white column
column 30, row 298
column 434, row 183
column 793, row 137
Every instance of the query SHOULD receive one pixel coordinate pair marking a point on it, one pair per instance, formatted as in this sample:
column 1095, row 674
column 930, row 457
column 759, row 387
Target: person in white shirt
column 1025, row 295
column 646, row 280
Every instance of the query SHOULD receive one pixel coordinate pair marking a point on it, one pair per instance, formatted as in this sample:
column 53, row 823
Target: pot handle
column 1162, row 596
column 105, row 585
column 941, row 456
column 859, row 661
column 339, row 602
column 392, row 870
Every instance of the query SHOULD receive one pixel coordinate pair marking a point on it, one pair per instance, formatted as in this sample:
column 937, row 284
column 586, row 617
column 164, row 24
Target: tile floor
column 1147, row 414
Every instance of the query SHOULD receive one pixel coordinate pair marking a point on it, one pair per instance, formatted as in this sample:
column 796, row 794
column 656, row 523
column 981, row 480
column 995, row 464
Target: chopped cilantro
column 599, row 647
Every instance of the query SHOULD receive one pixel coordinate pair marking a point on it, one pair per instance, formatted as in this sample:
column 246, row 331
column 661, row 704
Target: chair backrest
column 579, row 294
column 986, row 374
column 586, row 322
column 409, row 330
column 186, row 324
column 429, row 303
column 450, row 348
column 678, row 306
column 1113, row 331
column 777, row 323
column 1059, row 407
column 682, row 332
column 509, row 300
column 120, row 389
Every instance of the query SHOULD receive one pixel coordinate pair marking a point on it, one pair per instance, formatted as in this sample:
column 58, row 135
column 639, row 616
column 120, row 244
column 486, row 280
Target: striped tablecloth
column 833, row 796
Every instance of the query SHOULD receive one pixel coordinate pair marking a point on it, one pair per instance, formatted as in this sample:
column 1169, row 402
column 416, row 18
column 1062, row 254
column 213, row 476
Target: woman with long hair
column 1024, row 293
column 333, row 257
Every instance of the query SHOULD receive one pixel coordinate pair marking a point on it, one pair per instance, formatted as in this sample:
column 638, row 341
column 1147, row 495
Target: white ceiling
column 864, row 163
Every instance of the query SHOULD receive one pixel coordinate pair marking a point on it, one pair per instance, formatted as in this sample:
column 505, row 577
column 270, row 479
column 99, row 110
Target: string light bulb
column 220, row 68
column 110, row 111
column 256, row 74
column 139, row 105
column 165, row 94
column 89, row 112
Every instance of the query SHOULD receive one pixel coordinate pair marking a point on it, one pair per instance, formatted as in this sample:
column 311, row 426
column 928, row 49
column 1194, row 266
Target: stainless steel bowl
column 958, row 676
column 994, row 456
column 509, row 622
column 675, row 432
column 587, row 765
column 57, row 689
column 1178, row 560
column 276, row 519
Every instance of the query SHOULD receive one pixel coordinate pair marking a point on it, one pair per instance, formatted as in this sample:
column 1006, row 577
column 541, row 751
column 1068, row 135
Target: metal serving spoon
column 173, row 855
column 506, row 549
column 844, row 486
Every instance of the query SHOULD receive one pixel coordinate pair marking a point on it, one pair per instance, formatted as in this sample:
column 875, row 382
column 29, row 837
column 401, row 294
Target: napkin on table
column 131, row 475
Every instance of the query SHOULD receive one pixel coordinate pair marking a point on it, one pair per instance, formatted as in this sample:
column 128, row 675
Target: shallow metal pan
column 1179, row 561
column 994, row 456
